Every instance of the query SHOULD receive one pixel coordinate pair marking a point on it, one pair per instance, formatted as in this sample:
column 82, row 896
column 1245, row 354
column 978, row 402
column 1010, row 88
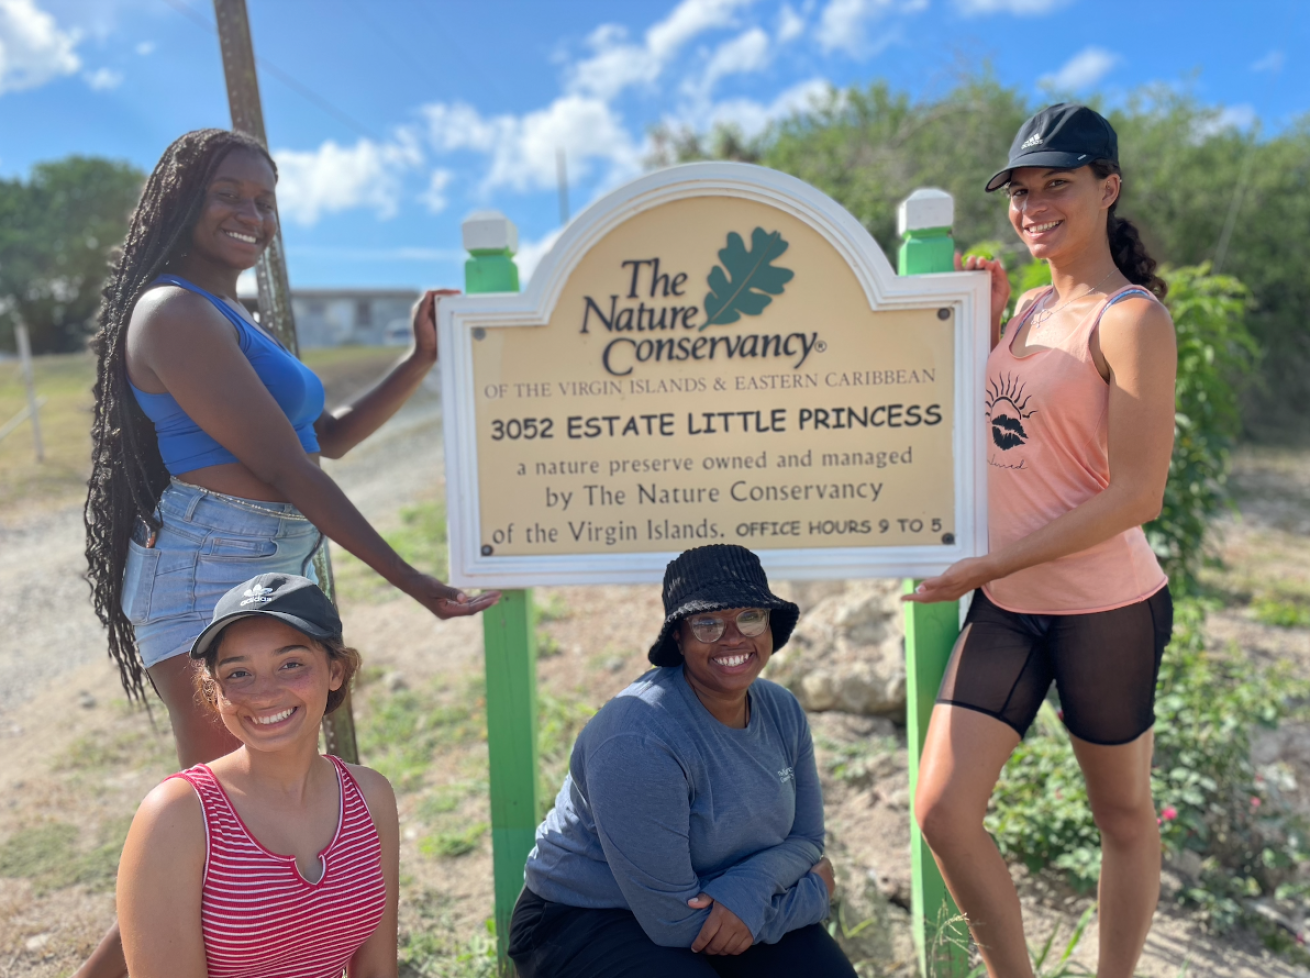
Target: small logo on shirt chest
column 786, row 776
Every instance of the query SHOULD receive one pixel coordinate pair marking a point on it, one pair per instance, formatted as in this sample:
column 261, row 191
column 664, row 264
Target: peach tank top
column 1047, row 453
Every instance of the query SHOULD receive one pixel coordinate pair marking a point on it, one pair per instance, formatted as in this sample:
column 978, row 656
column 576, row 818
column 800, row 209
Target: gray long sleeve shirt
column 662, row 802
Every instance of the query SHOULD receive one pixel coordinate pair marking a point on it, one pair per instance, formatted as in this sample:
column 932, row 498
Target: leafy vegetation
column 1216, row 353
column 1201, row 191
column 1212, row 801
column 56, row 233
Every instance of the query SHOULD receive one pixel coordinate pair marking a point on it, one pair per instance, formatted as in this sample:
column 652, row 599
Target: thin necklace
column 1046, row 314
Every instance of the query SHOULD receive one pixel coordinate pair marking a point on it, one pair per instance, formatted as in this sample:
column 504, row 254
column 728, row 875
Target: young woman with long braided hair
column 1080, row 410
column 207, row 434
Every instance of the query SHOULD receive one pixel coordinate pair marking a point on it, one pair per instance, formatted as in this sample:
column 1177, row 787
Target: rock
column 395, row 682
column 848, row 653
column 37, row 942
column 1187, row 864
column 85, row 700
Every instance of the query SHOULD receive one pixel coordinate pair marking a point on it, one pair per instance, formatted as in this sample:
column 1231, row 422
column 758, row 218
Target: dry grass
column 65, row 381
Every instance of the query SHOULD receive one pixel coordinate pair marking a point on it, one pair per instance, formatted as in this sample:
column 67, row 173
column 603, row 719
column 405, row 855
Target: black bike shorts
column 1104, row 664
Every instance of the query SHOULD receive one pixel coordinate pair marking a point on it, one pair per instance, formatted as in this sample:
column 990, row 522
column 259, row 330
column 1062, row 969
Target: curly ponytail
column 1126, row 248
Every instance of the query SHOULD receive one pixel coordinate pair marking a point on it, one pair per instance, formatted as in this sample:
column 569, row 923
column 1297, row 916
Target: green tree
column 56, row 233
column 1187, row 176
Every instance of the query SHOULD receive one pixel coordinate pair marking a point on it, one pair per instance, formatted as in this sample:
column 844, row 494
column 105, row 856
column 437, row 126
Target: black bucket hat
column 712, row 578
column 298, row 601
column 1064, row 136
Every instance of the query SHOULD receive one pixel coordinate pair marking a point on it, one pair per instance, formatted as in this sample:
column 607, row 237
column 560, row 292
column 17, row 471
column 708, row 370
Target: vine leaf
column 751, row 279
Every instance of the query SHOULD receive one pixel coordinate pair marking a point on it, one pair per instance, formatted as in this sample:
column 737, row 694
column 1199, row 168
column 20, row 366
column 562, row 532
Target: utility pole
column 275, row 312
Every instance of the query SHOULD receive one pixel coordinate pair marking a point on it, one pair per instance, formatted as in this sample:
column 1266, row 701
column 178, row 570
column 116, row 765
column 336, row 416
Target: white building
column 342, row 317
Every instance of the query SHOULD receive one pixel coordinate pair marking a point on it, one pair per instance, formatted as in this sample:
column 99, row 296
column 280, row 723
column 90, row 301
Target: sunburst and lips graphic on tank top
column 1007, row 409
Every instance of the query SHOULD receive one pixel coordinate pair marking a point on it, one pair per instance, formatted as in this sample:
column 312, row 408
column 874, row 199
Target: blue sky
column 421, row 111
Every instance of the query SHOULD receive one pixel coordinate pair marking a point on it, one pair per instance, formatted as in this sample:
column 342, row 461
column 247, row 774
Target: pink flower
column 1169, row 814
column 1255, row 802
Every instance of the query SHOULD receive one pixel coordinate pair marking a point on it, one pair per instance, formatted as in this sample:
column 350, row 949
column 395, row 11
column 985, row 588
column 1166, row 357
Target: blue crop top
column 184, row 445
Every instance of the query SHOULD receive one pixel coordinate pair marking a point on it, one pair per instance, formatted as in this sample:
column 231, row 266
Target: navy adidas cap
column 1062, row 137
column 297, row 601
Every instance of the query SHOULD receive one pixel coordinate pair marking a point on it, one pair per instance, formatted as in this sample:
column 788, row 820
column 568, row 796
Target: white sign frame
column 967, row 294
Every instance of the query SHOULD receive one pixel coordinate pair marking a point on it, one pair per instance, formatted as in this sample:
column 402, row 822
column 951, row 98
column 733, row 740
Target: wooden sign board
column 714, row 353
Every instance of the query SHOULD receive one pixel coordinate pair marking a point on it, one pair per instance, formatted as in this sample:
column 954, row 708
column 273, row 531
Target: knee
column 942, row 820
column 1125, row 823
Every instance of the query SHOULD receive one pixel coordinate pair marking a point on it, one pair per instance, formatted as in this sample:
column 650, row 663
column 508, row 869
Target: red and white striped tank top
column 260, row 917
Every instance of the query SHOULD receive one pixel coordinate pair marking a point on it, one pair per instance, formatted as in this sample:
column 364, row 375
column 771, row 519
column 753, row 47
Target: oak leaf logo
column 750, row 280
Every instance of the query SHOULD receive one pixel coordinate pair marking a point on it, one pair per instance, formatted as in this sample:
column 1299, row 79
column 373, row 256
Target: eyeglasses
column 751, row 622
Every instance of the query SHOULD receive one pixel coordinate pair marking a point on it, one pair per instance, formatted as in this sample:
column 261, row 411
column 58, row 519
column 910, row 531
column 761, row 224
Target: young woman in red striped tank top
column 1080, row 412
column 272, row 861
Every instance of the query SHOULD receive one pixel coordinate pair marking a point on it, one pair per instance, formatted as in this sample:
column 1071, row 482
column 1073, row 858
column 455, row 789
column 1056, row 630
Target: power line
column 361, row 10
column 302, row 90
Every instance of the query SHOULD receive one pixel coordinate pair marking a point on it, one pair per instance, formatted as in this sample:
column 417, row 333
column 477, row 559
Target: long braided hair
column 1126, row 247
column 127, row 472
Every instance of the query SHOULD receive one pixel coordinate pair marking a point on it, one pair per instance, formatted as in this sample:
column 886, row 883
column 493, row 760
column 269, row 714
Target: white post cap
column 927, row 207
column 490, row 231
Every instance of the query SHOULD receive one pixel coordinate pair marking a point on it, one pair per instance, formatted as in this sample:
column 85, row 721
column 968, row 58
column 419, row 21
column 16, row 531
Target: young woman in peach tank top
column 1080, row 421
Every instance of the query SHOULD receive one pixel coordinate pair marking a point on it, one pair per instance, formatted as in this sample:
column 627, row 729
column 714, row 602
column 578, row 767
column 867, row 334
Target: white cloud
column 33, row 48
column 746, row 53
column 1026, row 8
column 1241, row 116
column 529, row 255
column 145, row 48
column 435, row 196
column 616, row 63
column 1273, row 61
column 843, row 24
column 523, row 148
column 1084, row 69
column 103, row 79
column 752, row 117
column 335, row 178
column 791, row 25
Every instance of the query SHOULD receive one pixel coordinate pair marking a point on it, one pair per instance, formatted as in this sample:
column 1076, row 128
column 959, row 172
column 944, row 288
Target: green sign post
column 940, row 934
column 509, row 637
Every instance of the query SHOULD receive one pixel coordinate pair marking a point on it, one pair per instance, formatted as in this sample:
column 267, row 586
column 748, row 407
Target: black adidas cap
column 1063, row 136
column 297, row 601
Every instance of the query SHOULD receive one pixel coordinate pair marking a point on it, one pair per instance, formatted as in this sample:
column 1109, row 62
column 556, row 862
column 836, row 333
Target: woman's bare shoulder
column 1136, row 313
column 379, row 794
column 175, row 309
column 171, row 812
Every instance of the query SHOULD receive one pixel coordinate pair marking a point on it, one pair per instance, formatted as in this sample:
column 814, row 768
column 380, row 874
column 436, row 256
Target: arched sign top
column 715, row 352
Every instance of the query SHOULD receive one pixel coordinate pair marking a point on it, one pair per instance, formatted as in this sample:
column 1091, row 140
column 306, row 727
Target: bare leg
column 107, row 959
column 200, row 737
column 962, row 760
column 1119, row 788
column 198, row 732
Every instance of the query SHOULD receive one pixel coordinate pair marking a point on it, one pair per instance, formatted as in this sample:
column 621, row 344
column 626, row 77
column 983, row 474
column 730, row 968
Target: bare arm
column 194, row 353
column 376, row 957
column 159, row 885
column 342, row 429
column 1139, row 349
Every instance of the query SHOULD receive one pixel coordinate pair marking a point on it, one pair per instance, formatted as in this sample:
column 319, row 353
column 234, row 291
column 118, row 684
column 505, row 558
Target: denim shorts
column 207, row 544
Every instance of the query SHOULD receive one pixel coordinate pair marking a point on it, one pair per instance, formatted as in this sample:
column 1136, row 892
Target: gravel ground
column 50, row 629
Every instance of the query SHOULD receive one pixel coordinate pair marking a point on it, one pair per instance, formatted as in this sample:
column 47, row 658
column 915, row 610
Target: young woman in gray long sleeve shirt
column 688, row 836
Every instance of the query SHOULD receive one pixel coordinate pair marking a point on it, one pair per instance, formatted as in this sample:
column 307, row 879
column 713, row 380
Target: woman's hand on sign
column 953, row 583
column 1000, row 283
column 445, row 601
column 723, row 932
column 823, row 870
column 425, row 323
